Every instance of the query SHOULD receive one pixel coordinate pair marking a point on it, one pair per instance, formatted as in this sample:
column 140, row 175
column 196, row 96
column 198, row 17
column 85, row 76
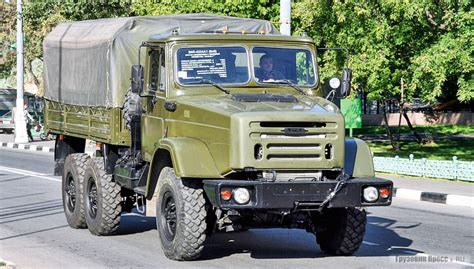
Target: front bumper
column 297, row 195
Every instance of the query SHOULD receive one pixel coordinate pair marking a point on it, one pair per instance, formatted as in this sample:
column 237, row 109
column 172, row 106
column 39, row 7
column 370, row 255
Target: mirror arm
column 331, row 94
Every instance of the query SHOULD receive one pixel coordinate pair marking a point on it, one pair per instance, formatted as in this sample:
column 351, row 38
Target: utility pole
column 20, row 121
column 285, row 17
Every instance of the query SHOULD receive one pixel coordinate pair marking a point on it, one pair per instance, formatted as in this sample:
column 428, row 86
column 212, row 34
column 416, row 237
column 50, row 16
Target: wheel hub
column 169, row 216
column 92, row 199
column 70, row 190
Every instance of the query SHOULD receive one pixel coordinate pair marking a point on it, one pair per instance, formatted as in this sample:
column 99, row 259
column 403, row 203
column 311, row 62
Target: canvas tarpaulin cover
column 88, row 62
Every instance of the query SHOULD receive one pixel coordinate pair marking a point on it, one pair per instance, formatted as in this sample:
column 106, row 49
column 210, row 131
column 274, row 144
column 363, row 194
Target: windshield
column 223, row 65
column 294, row 65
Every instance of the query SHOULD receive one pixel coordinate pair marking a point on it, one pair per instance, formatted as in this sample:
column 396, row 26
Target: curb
column 27, row 147
column 434, row 197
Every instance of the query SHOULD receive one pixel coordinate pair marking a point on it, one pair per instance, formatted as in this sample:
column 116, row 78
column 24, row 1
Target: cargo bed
column 95, row 123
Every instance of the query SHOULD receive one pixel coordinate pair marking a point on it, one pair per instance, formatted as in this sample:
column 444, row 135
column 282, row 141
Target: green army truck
column 214, row 123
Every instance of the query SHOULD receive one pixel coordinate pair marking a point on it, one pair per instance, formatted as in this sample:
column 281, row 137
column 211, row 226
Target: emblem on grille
column 294, row 131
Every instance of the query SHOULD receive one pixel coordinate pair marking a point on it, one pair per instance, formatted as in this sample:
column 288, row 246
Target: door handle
column 170, row 106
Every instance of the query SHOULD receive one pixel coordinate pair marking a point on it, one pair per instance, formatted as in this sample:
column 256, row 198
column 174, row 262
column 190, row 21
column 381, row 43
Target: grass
column 440, row 149
column 432, row 129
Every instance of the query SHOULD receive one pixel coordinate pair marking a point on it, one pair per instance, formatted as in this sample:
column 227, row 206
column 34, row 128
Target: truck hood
column 232, row 125
column 237, row 103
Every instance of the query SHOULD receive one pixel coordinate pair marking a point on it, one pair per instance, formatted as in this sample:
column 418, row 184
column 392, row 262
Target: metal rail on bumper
column 297, row 195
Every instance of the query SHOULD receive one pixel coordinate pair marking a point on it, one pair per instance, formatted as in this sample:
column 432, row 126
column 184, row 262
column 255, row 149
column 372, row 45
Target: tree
column 390, row 40
column 8, row 39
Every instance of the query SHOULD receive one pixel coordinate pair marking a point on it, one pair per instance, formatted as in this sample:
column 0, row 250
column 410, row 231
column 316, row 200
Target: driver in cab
column 266, row 72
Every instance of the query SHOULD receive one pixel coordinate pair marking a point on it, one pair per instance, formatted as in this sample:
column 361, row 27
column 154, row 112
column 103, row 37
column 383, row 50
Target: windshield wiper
column 287, row 82
column 210, row 82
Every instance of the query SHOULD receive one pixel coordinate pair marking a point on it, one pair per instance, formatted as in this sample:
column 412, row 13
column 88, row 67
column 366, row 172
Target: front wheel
column 342, row 230
column 180, row 216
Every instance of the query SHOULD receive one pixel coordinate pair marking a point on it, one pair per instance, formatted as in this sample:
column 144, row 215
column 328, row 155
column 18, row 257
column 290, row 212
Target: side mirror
column 346, row 82
column 137, row 78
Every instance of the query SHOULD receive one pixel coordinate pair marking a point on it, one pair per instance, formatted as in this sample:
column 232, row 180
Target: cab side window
column 157, row 70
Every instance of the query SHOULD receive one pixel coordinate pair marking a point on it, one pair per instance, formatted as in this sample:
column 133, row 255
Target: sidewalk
column 431, row 185
column 432, row 190
column 8, row 140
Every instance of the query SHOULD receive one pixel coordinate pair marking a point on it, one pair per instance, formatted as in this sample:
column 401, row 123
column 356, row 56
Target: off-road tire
column 131, row 104
column 344, row 231
column 105, row 219
column 190, row 212
column 73, row 188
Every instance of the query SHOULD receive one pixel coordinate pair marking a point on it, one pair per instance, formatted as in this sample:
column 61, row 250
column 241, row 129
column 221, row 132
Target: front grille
column 293, row 141
column 285, row 124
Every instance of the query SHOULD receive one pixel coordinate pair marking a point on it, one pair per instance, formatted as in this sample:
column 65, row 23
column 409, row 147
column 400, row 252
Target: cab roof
column 220, row 36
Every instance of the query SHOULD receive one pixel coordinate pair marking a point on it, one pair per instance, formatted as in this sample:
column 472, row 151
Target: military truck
column 214, row 123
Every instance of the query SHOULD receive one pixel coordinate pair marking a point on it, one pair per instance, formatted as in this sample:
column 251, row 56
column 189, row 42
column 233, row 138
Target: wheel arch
column 358, row 158
column 189, row 157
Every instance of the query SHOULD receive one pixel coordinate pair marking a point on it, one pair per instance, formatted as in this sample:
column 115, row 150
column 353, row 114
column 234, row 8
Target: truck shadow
column 381, row 239
column 133, row 223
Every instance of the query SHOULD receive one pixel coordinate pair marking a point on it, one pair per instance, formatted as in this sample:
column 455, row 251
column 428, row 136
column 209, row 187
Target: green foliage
column 427, row 43
column 261, row 9
column 7, row 39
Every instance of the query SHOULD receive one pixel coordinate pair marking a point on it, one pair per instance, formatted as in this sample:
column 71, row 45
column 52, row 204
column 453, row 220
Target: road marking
column 28, row 173
column 427, row 255
column 370, row 243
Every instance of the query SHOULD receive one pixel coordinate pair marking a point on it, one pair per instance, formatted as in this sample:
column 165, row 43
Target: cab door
column 153, row 104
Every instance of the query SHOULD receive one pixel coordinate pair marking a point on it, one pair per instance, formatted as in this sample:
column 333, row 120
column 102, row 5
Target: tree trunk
column 34, row 79
column 389, row 134
column 418, row 137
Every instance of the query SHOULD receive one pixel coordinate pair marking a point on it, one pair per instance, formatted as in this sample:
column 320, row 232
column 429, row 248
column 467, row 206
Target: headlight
column 241, row 196
column 371, row 194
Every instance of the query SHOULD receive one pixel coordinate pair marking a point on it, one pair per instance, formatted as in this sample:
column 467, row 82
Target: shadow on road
column 134, row 223
column 381, row 239
column 30, row 211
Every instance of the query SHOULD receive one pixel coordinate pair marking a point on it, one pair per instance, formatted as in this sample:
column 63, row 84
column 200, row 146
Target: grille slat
column 293, row 141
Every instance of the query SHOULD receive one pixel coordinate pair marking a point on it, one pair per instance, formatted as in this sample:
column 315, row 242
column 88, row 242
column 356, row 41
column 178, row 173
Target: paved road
column 34, row 233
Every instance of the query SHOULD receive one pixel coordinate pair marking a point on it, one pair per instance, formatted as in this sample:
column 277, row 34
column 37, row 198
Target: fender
column 190, row 157
column 358, row 158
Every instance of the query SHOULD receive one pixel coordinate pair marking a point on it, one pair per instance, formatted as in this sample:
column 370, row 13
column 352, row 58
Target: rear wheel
column 180, row 216
column 72, row 189
column 343, row 230
column 102, row 199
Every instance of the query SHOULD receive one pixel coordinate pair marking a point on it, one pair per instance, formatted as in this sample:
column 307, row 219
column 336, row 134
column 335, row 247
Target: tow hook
column 342, row 179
